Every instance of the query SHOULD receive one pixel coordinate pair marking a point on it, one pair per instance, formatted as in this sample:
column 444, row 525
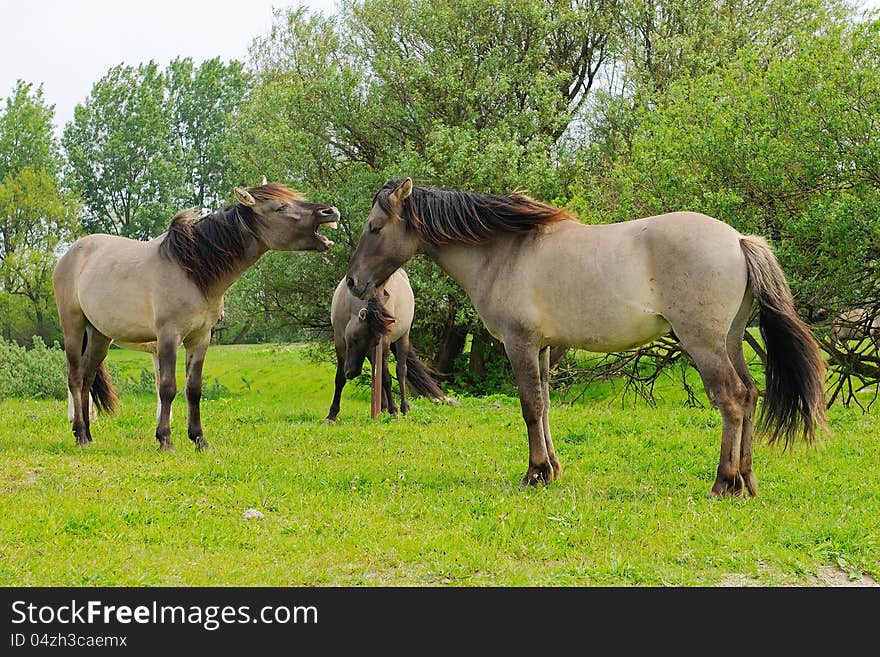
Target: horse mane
column 210, row 247
column 379, row 320
column 443, row 215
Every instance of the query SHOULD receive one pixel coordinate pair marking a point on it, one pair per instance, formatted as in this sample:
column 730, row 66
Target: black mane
column 443, row 215
column 208, row 248
column 379, row 320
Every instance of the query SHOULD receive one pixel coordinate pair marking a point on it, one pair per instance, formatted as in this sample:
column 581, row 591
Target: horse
column 358, row 326
column 539, row 278
column 160, row 294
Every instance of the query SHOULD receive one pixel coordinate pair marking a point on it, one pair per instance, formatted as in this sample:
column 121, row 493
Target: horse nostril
column 328, row 212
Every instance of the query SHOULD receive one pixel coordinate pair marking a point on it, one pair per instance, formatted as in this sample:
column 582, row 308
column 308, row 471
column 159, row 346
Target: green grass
column 431, row 499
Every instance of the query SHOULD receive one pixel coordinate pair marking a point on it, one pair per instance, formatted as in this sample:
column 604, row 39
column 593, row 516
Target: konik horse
column 169, row 291
column 538, row 278
column 358, row 326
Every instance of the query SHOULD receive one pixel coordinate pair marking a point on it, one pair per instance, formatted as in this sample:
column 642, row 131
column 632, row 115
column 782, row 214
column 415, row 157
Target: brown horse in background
column 159, row 294
column 538, row 278
column 358, row 326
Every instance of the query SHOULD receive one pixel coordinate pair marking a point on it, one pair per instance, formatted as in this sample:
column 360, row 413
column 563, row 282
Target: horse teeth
column 331, row 224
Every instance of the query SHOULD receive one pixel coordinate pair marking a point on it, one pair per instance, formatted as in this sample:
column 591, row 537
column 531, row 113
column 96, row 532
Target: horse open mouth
column 329, row 224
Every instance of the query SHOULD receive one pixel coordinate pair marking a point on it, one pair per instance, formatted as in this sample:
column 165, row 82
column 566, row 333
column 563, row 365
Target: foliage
column 201, row 101
column 35, row 216
column 37, row 373
column 147, row 143
column 119, row 156
column 784, row 147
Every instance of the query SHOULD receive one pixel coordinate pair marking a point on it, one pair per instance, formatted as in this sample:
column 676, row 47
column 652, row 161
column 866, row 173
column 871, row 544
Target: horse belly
column 119, row 308
column 626, row 328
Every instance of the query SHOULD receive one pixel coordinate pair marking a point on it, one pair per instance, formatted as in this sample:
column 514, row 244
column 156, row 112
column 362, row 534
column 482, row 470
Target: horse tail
column 795, row 371
column 103, row 393
column 419, row 376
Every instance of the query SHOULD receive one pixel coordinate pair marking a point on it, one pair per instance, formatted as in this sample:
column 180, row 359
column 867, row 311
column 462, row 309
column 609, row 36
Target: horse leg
column 386, row 383
column 735, row 352
column 544, row 357
column 727, row 393
column 340, row 384
column 195, row 359
column 402, row 347
column 527, row 371
column 167, row 351
column 74, row 328
column 158, row 399
column 97, row 346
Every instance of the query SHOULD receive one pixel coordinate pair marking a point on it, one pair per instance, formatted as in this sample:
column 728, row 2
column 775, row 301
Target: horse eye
column 375, row 229
column 281, row 207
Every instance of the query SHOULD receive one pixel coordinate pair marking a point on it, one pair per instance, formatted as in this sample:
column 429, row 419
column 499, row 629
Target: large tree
column 469, row 94
column 34, row 215
column 119, row 153
column 201, row 100
column 785, row 147
column 148, row 142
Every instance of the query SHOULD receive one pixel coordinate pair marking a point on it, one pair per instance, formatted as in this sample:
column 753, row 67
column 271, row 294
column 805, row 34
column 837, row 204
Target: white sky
column 68, row 45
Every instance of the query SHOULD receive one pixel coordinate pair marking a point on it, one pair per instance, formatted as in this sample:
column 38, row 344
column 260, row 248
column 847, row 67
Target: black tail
column 103, row 392
column 795, row 372
column 419, row 376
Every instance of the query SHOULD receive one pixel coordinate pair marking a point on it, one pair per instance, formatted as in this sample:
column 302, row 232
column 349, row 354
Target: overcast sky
column 67, row 45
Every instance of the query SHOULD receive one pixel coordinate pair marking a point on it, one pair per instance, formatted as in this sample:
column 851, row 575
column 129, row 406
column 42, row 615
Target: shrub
column 38, row 372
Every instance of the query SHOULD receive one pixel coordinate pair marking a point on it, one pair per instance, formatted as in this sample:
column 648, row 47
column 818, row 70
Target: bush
column 39, row 372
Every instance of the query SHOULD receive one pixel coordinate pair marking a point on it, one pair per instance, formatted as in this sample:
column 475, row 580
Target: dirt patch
column 833, row 576
column 827, row 576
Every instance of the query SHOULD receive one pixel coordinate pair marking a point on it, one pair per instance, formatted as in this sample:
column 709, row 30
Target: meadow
column 430, row 499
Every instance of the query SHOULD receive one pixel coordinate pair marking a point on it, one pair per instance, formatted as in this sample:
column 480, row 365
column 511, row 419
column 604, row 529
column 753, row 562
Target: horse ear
column 362, row 314
column 244, row 197
column 265, row 182
column 403, row 190
column 385, row 293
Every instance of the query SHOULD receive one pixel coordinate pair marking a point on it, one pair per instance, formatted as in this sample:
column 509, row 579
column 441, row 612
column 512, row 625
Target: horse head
column 386, row 242
column 285, row 220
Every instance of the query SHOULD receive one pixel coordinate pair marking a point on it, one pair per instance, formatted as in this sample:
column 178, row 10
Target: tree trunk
column 480, row 344
column 453, row 344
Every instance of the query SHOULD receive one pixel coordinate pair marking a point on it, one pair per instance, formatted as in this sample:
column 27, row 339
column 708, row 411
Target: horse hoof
column 202, row 445
column 166, row 447
column 538, row 475
column 331, row 420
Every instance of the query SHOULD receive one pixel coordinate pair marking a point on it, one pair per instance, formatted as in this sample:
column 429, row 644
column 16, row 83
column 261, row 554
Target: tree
column 469, row 94
column 36, row 218
column 119, row 154
column 34, row 215
column 201, row 99
column 785, row 147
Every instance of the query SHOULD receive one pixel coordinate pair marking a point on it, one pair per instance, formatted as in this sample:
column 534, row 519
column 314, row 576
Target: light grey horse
column 358, row 326
column 539, row 279
column 159, row 294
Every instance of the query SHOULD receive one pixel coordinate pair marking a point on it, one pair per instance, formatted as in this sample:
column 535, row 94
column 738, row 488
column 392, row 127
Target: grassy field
column 432, row 499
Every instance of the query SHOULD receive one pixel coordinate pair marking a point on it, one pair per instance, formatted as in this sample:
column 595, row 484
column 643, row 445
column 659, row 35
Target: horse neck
column 254, row 250
column 466, row 264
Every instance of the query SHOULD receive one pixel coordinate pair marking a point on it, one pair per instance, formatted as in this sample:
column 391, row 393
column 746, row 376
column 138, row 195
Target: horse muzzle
column 362, row 290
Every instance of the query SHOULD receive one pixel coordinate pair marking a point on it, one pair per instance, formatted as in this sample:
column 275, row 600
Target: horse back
column 611, row 287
